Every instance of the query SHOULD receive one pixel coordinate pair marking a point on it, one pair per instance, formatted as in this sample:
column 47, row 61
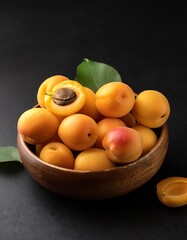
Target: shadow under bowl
column 94, row 185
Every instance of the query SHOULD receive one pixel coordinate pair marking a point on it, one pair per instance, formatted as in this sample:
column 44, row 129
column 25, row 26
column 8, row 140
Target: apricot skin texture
column 37, row 125
column 57, row 154
column 78, row 131
column 149, row 137
column 89, row 107
column 93, row 159
column 151, row 108
column 123, row 144
column 39, row 147
column 104, row 126
column 115, row 99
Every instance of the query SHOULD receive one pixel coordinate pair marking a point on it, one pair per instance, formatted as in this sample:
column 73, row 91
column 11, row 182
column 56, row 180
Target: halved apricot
column 65, row 98
column 172, row 191
column 46, row 86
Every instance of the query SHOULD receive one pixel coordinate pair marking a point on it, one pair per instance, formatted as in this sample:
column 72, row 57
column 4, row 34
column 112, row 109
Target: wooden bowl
column 99, row 184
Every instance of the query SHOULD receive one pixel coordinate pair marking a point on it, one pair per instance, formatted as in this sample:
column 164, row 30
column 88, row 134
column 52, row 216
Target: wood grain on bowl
column 99, row 184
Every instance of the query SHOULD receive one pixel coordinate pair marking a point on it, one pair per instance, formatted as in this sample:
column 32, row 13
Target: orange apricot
column 89, row 107
column 104, row 126
column 37, row 125
column 93, row 159
column 172, row 191
column 46, row 86
column 123, row 144
column 151, row 108
column 65, row 98
column 149, row 137
column 38, row 147
column 115, row 99
column 57, row 154
column 78, row 131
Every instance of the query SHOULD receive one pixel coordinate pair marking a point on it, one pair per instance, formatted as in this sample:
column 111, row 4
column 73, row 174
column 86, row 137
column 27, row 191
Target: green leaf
column 9, row 153
column 95, row 74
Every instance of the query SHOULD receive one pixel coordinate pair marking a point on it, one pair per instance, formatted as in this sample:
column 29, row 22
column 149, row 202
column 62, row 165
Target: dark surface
column 146, row 42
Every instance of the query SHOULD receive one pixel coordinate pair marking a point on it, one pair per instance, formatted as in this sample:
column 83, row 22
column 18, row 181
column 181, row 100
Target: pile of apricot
column 75, row 128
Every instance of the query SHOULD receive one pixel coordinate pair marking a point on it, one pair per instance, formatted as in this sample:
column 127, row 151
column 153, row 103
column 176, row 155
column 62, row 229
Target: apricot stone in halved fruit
column 46, row 86
column 65, row 98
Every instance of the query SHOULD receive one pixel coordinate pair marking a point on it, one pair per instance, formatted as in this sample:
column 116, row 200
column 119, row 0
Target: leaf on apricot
column 93, row 74
column 9, row 153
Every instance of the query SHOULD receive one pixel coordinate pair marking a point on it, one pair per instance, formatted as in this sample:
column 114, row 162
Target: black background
column 146, row 41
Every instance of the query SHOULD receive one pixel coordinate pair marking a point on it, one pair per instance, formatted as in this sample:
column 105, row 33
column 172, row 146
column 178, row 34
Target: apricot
column 38, row 147
column 149, row 137
column 78, row 131
column 57, row 154
column 46, row 86
column 104, row 126
column 151, row 108
column 37, row 125
column 65, row 98
column 123, row 144
column 115, row 99
column 89, row 107
column 93, row 159
column 172, row 191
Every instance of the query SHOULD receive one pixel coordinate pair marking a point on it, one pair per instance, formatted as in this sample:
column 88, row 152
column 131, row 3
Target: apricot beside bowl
column 99, row 184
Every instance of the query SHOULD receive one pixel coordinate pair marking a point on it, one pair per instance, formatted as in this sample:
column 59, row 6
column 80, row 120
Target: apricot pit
column 64, row 96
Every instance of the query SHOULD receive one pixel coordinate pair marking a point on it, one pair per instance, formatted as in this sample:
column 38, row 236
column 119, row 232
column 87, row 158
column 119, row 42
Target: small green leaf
column 8, row 154
column 95, row 74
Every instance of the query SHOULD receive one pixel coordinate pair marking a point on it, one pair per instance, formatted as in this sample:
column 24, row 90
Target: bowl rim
column 163, row 130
